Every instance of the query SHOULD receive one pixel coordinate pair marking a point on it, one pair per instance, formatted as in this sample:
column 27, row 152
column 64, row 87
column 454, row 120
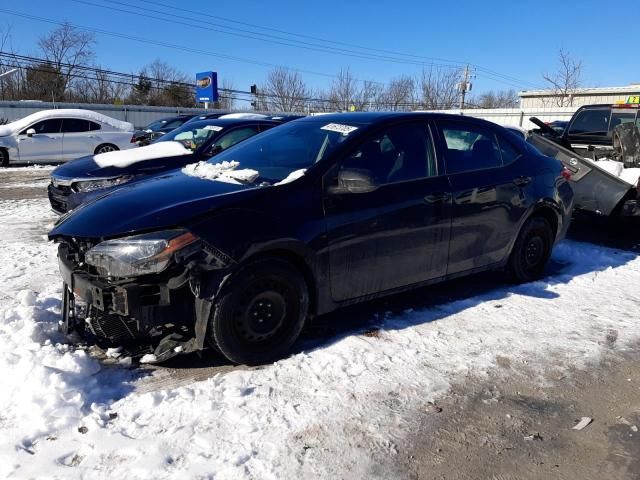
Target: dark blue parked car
column 86, row 178
column 313, row 215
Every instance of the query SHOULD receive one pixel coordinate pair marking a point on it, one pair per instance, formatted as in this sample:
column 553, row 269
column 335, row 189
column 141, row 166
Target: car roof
column 365, row 118
column 232, row 122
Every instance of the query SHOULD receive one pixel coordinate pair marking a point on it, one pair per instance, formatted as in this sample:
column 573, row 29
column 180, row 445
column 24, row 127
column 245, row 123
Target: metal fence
column 139, row 115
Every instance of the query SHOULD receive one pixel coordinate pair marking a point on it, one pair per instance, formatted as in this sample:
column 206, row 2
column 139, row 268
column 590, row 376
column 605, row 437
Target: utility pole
column 465, row 85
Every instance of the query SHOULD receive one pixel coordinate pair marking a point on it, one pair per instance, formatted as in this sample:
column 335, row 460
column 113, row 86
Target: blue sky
column 518, row 39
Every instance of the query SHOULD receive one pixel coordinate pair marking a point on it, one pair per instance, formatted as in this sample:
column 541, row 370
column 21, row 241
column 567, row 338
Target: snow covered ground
column 326, row 412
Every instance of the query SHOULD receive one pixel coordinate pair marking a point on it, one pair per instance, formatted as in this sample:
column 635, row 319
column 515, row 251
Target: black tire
column 4, row 158
column 105, row 147
column 260, row 313
column 532, row 250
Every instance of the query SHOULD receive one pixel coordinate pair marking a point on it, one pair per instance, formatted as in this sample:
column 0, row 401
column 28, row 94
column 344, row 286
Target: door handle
column 522, row 181
column 438, row 197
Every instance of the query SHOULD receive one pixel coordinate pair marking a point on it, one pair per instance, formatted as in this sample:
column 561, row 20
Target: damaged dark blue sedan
column 238, row 252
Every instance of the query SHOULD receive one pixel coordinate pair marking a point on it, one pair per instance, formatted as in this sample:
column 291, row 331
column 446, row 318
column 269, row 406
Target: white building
column 579, row 97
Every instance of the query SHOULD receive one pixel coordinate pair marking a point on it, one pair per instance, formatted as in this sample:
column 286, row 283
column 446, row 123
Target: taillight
column 566, row 173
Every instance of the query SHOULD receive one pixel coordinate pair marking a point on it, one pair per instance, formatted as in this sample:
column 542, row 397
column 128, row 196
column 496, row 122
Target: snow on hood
column 18, row 125
column 629, row 175
column 296, row 174
column 221, row 172
column 125, row 158
column 250, row 116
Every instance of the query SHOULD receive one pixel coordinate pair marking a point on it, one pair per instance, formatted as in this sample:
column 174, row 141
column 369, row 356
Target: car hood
column 87, row 168
column 159, row 202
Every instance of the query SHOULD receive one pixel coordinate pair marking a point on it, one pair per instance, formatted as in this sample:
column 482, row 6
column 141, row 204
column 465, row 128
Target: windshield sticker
column 339, row 128
column 215, row 128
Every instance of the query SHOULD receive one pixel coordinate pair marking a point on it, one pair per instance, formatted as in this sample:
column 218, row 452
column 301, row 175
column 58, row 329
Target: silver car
column 61, row 135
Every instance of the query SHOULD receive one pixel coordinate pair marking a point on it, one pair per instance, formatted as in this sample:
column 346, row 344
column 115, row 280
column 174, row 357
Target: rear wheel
column 260, row 313
column 106, row 147
column 4, row 158
column 531, row 251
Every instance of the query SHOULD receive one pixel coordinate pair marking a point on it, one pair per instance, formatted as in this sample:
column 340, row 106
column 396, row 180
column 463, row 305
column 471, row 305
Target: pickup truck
column 598, row 131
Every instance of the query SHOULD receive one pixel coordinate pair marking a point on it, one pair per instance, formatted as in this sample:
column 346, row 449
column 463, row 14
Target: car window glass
column 235, row 136
column 591, row 122
column 508, row 151
column 94, row 126
column 469, row 147
column 399, row 153
column 46, row 126
column 174, row 123
column 618, row 117
column 74, row 125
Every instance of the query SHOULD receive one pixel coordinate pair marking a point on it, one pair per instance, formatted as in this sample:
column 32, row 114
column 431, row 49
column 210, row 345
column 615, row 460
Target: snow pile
column 295, row 175
column 18, row 125
column 221, row 172
column 324, row 412
column 126, row 158
column 629, row 175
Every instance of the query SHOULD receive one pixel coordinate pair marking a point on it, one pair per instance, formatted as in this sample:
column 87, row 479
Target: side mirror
column 214, row 150
column 354, row 181
column 31, row 132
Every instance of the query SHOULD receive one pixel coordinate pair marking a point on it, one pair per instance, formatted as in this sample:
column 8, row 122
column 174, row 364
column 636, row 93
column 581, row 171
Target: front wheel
column 4, row 158
column 260, row 313
column 532, row 250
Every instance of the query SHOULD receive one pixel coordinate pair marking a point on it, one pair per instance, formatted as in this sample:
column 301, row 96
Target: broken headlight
column 90, row 185
column 139, row 254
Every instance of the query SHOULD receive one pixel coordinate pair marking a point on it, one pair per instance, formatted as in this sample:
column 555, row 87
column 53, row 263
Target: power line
column 489, row 74
column 170, row 45
column 121, row 78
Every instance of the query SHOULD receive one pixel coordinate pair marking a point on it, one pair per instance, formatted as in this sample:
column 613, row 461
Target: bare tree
column 496, row 99
column 565, row 80
column 438, row 88
column 397, row 96
column 66, row 48
column 225, row 99
column 100, row 88
column 285, row 90
column 348, row 93
column 161, row 84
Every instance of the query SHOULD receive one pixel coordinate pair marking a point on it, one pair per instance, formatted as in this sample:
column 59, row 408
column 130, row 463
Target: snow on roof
column 125, row 158
column 251, row 116
column 18, row 125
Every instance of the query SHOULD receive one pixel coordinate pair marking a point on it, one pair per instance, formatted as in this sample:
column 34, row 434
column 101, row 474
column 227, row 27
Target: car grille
column 114, row 329
column 58, row 197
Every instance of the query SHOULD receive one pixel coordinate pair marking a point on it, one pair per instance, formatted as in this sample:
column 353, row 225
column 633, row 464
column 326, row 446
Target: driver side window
column 51, row 125
column 397, row 154
column 234, row 136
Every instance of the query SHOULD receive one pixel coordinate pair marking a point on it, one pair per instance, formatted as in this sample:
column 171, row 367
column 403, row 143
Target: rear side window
column 469, row 147
column 74, row 125
column 94, row 126
column 591, row 122
column 508, row 152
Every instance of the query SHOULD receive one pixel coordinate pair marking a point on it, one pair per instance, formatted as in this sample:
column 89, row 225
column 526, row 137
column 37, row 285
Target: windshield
column 288, row 148
column 192, row 135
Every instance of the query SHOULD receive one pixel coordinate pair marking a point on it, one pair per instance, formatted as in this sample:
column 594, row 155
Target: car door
column 398, row 233
column 489, row 195
column 78, row 139
column 45, row 145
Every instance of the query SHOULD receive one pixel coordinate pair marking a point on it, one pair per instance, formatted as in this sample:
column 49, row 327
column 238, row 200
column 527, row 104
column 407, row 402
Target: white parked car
column 61, row 135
